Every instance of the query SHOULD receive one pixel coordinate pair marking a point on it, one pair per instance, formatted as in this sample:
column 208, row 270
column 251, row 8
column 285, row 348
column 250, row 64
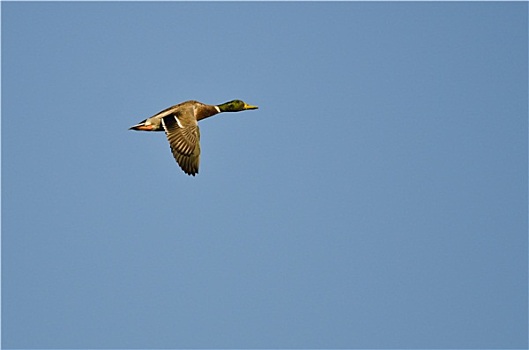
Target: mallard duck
column 180, row 123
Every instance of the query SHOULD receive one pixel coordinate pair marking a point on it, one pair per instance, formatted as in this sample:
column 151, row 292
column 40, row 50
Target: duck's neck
column 206, row 111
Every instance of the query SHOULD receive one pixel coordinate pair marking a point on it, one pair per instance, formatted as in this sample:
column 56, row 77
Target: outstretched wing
column 182, row 131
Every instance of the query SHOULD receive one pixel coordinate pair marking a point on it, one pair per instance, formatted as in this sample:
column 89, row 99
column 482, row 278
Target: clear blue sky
column 377, row 199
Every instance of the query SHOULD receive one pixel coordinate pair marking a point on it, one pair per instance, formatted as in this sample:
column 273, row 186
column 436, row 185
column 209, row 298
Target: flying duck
column 180, row 123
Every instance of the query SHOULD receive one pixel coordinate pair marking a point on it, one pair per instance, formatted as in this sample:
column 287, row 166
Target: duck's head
column 235, row 106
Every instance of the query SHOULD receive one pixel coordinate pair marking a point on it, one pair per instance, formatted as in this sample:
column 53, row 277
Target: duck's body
column 180, row 123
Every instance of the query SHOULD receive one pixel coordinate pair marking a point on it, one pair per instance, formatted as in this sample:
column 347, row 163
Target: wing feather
column 183, row 135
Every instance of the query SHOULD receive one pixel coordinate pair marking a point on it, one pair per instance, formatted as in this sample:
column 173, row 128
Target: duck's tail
column 141, row 126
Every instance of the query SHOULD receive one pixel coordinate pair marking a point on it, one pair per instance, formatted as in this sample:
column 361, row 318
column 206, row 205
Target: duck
column 180, row 124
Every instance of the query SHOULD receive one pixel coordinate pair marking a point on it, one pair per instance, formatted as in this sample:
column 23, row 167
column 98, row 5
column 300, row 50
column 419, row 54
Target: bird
column 180, row 123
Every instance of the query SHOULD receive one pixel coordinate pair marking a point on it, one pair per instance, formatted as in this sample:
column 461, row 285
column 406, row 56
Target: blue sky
column 377, row 198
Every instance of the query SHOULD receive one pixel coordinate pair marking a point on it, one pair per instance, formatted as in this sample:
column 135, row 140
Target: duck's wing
column 181, row 128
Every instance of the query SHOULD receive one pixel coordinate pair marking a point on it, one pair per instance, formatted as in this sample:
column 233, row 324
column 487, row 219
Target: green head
column 235, row 106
